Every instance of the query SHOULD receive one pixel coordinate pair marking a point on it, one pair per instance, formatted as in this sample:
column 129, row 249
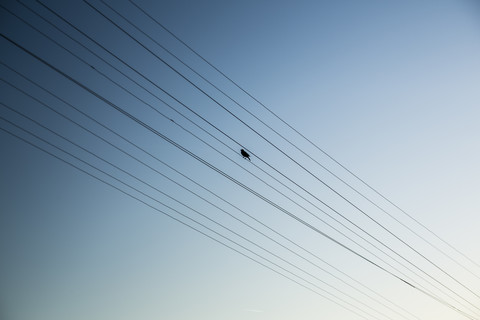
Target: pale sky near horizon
column 389, row 89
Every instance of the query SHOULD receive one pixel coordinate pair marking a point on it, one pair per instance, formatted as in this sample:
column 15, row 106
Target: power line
column 188, row 207
column 203, row 215
column 230, row 137
column 201, row 186
column 334, row 228
column 184, row 223
column 287, row 140
column 163, row 115
column 146, row 126
column 284, row 176
column 82, row 60
column 213, row 167
column 321, row 150
column 84, row 128
column 289, row 157
column 149, row 127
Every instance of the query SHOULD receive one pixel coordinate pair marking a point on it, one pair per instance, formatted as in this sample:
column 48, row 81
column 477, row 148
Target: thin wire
column 86, row 129
column 277, row 180
column 88, row 64
column 109, row 64
column 199, row 185
column 138, row 121
column 276, row 171
column 163, row 115
column 203, row 215
column 287, row 140
column 348, row 228
column 316, row 146
column 293, row 160
column 138, row 73
column 191, row 110
column 184, row 223
column 146, row 126
column 136, row 189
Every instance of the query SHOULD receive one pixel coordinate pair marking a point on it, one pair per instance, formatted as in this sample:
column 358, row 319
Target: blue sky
column 389, row 89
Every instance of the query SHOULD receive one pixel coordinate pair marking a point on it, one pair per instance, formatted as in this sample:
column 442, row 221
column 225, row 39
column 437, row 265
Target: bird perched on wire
column 245, row 154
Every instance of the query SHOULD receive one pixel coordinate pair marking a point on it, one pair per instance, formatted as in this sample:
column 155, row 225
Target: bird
column 245, row 154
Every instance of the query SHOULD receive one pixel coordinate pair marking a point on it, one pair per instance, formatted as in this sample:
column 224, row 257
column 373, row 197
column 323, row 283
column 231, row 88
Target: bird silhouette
column 245, row 154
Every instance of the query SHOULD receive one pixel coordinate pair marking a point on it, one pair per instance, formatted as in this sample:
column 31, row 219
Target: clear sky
column 388, row 88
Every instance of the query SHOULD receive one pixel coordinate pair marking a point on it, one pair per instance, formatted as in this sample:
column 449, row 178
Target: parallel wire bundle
column 356, row 239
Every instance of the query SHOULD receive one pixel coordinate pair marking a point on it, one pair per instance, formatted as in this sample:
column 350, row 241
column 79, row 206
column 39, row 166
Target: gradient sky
column 390, row 89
